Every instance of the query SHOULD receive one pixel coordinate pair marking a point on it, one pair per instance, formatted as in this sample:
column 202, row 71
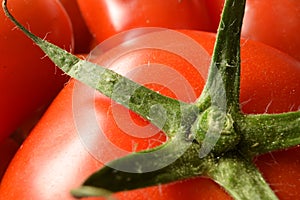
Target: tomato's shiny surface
column 274, row 22
column 82, row 36
column 215, row 10
column 28, row 80
column 108, row 17
column 54, row 158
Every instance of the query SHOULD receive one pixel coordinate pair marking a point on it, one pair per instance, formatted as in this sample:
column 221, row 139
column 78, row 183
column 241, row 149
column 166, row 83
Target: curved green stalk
column 169, row 113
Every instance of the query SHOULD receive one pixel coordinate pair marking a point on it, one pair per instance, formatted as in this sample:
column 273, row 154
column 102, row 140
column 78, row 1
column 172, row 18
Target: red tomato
column 28, row 80
column 82, row 36
column 215, row 10
column 108, row 17
column 274, row 22
column 54, row 158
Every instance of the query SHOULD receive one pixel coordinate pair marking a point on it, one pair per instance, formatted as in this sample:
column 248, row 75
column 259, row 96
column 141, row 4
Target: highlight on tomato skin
column 54, row 160
column 108, row 17
column 28, row 80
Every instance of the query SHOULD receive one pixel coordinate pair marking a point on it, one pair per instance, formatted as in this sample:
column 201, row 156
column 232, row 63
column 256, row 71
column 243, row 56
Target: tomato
column 274, row 22
column 28, row 80
column 82, row 36
column 59, row 154
column 215, row 10
column 108, row 17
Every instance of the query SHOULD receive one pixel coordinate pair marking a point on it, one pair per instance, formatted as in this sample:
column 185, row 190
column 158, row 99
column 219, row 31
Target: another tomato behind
column 215, row 8
column 28, row 80
column 274, row 22
column 58, row 154
column 108, row 17
column 82, row 36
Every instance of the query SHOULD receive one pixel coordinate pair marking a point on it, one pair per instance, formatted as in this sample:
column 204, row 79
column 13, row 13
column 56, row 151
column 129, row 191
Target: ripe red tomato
column 215, row 10
column 108, row 17
column 54, row 158
column 82, row 36
column 274, row 22
column 28, row 80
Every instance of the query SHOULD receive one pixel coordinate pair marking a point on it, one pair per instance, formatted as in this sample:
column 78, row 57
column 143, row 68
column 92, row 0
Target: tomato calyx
column 223, row 154
column 215, row 132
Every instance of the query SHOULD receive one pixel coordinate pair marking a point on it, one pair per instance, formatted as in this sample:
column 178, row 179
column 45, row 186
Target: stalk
column 224, row 71
column 119, row 88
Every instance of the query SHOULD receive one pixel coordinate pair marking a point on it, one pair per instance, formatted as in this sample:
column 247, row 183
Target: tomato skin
column 53, row 160
column 274, row 22
column 82, row 36
column 108, row 17
column 28, row 81
column 215, row 10
column 281, row 168
column 260, row 17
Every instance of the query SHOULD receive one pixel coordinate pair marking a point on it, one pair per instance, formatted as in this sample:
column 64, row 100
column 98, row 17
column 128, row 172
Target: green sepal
column 139, row 170
column 264, row 133
column 169, row 113
column 240, row 178
column 224, row 71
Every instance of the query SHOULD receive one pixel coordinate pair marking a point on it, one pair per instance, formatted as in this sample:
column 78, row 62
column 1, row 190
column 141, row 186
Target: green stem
column 264, row 133
column 166, row 113
column 224, row 73
column 241, row 178
column 238, row 176
column 109, row 178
